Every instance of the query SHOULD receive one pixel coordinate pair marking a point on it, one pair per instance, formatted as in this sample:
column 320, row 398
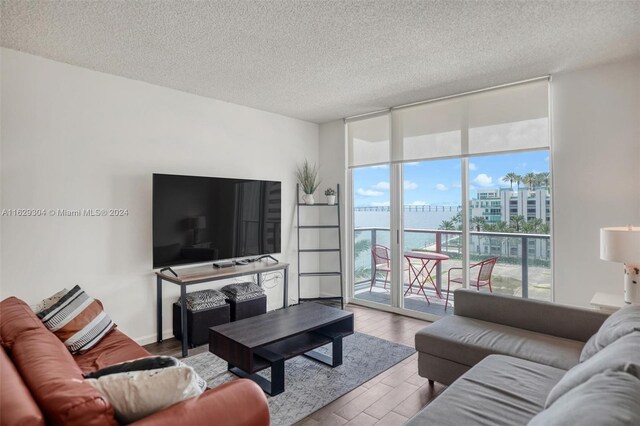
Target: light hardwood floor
column 390, row 398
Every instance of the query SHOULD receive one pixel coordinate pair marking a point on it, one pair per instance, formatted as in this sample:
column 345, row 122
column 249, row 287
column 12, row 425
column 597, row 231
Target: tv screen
column 200, row 219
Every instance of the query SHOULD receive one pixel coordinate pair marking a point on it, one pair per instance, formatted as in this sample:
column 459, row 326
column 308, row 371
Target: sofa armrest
column 533, row 315
column 240, row 402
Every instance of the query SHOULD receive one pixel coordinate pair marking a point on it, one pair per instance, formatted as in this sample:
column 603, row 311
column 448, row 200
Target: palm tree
column 532, row 226
column 360, row 247
column 490, row 227
column 511, row 177
column 478, row 222
column 530, row 179
column 516, row 222
column 447, row 225
column 501, row 227
column 457, row 221
column 543, row 179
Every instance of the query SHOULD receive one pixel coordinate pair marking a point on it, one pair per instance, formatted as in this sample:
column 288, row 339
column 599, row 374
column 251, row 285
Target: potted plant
column 308, row 179
column 331, row 196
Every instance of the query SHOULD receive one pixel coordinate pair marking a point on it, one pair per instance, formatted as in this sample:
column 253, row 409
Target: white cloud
column 456, row 185
column 419, row 203
column 472, row 167
column 369, row 192
column 546, row 158
column 414, row 163
column 380, row 166
column 483, row 180
column 381, row 186
column 408, row 185
column 441, row 187
column 381, row 204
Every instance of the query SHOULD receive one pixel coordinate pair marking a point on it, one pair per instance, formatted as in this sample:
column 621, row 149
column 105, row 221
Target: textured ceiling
column 321, row 60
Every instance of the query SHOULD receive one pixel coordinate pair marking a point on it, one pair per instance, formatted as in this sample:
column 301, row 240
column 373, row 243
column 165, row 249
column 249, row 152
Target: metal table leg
column 183, row 320
column 159, row 308
column 285, row 290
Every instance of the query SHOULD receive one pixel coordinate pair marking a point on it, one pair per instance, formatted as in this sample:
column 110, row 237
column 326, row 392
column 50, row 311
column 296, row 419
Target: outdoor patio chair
column 381, row 263
column 485, row 270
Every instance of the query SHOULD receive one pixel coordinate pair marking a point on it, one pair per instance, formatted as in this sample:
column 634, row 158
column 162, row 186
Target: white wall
column 74, row 138
column 596, row 183
column 333, row 157
column 596, row 138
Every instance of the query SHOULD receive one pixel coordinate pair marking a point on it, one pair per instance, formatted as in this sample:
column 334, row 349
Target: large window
column 457, row 193
column 516, row 226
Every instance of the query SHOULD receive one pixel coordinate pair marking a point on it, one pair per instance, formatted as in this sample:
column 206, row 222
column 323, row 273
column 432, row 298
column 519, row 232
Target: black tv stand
column 203, row 275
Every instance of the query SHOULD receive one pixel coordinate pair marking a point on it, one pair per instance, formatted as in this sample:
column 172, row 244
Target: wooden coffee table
column 267, row 340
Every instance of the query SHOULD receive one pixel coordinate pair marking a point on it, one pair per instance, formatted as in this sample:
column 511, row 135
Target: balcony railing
column 526, row 250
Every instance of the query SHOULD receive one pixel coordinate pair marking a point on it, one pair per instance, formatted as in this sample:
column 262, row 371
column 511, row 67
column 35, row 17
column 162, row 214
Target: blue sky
column 437, row 182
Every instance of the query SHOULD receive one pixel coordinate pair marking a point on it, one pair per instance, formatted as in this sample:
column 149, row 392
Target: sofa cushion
column 16, row 403
column 621, row 355
column 56, row 382
column 114, row 348
column 620, row 323
column 78, row 320
column 611, row 398
column 529, row 314
column 467, row 341
column 500, row 390
column 16, row 318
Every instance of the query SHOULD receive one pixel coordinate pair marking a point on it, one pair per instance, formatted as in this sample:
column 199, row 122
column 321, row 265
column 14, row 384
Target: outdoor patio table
column 429, row 261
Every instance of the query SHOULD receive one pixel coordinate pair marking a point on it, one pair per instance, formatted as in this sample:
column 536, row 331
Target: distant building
column 500, row 205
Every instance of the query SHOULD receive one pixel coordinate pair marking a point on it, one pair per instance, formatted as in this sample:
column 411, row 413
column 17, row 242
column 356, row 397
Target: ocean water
column 412, row 219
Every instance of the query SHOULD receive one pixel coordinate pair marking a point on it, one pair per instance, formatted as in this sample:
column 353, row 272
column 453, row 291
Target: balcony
column 523, row 268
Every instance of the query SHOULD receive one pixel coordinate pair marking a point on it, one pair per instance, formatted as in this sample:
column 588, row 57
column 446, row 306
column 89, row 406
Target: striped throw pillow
column 78, row 320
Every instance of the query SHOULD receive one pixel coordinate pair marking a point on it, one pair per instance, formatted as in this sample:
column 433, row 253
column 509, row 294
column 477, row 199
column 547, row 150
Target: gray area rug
column 310, row 385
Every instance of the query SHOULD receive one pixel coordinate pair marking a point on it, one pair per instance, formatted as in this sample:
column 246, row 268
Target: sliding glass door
column 449, row 194
column 432, row 219
column 372, row 266
column 372, row 237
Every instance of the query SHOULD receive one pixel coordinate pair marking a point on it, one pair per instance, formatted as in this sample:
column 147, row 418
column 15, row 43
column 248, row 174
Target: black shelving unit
column 337, row 250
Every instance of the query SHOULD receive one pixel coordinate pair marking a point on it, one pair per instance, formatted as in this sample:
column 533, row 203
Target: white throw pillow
column 78, row 320
column 137, row 394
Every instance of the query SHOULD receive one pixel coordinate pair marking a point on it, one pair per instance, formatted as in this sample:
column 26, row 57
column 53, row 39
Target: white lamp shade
column 620, row 244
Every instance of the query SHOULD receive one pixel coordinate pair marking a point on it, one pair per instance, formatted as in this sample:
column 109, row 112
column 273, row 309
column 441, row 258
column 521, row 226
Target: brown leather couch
column 41, row 382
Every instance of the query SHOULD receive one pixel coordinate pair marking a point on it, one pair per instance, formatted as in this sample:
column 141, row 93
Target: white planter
column 331, row 199
column 308, row 199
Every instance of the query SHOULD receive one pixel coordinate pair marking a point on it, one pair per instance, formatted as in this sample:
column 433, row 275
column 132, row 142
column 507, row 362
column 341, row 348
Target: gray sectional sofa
column 512, row 361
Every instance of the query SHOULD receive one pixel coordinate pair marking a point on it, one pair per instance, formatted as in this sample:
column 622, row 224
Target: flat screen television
column 200, row 219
